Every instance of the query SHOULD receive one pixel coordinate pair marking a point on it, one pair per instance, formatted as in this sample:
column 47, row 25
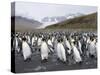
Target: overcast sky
column 38, row 11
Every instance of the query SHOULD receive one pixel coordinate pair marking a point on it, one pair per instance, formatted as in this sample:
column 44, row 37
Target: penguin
column 50, row 45
column 26, row 50
column 84, row 45
column 20, row 38
column 16, row 43
column 53, row 38
column 55, row 45
column 33, row 41
column 39, row 41
column 67, row 45
column 35, row 38
column 92, row 48
column 87, row 46
column 79, row 47
column 76, row 53
column 44, row 50
column 68, row 49
column 28, row 39
column 61, row 51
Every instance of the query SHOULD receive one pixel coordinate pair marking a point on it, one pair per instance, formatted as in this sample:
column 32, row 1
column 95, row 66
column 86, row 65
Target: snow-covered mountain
column 56, row 19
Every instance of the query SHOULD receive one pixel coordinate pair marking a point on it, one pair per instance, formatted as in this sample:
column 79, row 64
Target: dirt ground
column 35, row 65
column 52, row 64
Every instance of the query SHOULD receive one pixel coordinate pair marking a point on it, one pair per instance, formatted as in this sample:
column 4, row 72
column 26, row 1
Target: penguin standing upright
column 26, row 50
column 55, row 45
column 87, row 46
column 16, row 43
column 84, row 39
column 61, row 51
column 52, row 40
column 79, row 46
column 44, row 50
column 39, row 41
column 28, row 39
column 50, row 45
column 76, row 53
column 67, row 45
column 33, row 41
column 92, row 48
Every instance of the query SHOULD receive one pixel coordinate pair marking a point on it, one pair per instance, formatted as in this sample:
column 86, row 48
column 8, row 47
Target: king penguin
column 26, row 50
column 44, row 50
column 92, row 48
column 61, row 51
column 76, row 53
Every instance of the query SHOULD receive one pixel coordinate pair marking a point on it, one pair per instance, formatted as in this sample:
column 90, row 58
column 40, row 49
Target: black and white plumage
column 92, row 48
column 44, row 50
column 61, row 51
column 48, row 45
column 76, row 53
column 26, row 50
column 17, row 44
column 33, row 41
column 67, row 45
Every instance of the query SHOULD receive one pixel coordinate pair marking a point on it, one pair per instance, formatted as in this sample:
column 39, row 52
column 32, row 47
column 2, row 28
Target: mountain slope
column 82, row 22
column 22, row 23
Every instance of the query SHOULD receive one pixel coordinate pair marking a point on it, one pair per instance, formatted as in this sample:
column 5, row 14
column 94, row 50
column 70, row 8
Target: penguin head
column 61, row 40
column 58, row 40
column 16, row 34
column 49, row 37
column 24, row 39
column 44, row 39
column 75, row 42
column 91, row 38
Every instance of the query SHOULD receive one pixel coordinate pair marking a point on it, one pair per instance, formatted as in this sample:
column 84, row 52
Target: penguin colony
column 66, row 46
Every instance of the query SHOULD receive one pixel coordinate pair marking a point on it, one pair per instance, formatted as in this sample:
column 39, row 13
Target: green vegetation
column 82, row 22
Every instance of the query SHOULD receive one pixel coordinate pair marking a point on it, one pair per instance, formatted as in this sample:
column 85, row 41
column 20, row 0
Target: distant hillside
column 22, row 23
column 82, row 22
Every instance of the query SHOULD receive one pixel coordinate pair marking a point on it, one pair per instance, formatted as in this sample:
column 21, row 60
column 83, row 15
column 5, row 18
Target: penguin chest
column 26, row 47
column 92, row 48
column 26, row 50
column 33, row 40
column 44, row 48
column 61, row 51
column 76, row 53
column 50, row 43
column 39, row 41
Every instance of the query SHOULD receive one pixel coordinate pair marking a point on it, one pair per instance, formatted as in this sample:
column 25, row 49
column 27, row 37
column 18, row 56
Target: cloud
column 38, row 11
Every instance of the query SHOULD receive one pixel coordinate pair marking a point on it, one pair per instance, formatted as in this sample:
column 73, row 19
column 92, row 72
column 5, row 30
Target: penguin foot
column 80, row 62
column 43, row 61
column 64, row 62
column 21, row 54
column 58, row 59
column 92, row 56
column 27, row 60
